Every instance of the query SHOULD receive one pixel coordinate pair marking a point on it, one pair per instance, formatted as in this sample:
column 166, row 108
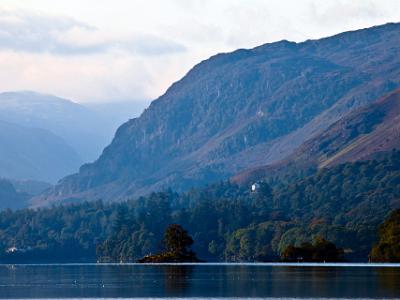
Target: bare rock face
column 240, row 110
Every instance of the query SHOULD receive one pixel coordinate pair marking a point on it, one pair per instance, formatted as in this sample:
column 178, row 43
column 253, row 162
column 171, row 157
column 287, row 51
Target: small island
column 177, row 244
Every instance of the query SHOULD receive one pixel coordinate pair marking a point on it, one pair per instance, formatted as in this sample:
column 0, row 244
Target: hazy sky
column 112, row 50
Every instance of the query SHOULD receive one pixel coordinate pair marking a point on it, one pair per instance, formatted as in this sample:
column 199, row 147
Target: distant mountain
column 31, row 187
column 80, row 127
column 240, row 110
column 36, row 154
column 10, row 198
column 15, row 194
column 363, row 134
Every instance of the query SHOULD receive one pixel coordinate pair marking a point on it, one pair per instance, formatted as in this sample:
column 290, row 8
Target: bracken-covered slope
column 361, row 135
column 240, row 110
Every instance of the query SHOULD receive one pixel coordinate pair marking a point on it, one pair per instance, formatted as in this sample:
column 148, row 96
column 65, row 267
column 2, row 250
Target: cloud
column 91, row 78
column 29, row 32
column 101, row 50
column 152, row 45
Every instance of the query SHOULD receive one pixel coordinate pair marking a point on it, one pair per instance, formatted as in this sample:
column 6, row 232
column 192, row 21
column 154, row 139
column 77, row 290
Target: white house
column 12, row 249
column 255, row 186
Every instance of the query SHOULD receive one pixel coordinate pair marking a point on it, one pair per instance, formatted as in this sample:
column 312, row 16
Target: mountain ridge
column 240, row 110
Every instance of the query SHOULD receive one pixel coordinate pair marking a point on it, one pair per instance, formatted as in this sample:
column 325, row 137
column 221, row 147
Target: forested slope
column 344, row 204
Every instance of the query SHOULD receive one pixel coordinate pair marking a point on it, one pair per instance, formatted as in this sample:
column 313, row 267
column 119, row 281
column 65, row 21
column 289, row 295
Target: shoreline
column 255, row 264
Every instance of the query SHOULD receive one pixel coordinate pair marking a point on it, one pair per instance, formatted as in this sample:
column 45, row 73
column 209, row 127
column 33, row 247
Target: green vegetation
column 320, row 251
column 388, row 247
column 177, row 244
column 343, row 205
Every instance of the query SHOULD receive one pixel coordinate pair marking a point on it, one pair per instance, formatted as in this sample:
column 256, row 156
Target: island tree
column 177, row 243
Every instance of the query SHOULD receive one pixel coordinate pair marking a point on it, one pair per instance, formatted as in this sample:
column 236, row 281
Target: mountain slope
column 30, row 187
column 82, row 128
column 31, row 153
column 10, row 198
column 366, row 132
column 240, row 110
column 362, row 134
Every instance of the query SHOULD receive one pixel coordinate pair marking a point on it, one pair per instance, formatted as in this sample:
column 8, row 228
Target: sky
column 133, row 50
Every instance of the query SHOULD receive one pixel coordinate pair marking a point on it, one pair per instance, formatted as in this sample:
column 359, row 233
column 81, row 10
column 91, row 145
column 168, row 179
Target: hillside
column 344, row 204
column 362, row 134
column 32, row 153
column 240, row 110
column 30, row 187
column 64, row 118
column 10, row 198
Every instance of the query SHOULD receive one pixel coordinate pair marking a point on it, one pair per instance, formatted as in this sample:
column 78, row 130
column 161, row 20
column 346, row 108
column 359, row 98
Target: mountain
column 86, row 129
column 10, row 198
column 240, row 110
column 33, row 153
column 15, row 194
column 31, row 187
column 80, row 127
column 363, row 134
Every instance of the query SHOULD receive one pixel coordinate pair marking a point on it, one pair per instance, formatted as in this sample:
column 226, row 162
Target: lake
column 199, row 281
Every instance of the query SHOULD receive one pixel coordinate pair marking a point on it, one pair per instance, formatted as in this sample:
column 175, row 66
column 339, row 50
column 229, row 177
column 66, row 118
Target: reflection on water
column 244, row 281
column 177, row 279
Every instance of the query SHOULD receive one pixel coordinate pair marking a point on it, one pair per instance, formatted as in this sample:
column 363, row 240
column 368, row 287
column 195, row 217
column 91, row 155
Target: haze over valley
column 66, row 134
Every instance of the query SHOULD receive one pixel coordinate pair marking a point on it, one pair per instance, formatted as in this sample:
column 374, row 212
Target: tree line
column 343, row 205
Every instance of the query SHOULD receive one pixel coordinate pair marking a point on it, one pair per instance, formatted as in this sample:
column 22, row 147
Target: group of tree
column 388, row 247
column 343, row 204
column 177, row 247
column 320, row 251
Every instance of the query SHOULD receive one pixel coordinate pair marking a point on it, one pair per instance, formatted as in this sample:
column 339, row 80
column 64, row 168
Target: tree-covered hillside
column 388, row 247
column 344, row 204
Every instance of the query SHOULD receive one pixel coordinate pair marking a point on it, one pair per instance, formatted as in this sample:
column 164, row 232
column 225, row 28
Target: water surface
column 268, row 281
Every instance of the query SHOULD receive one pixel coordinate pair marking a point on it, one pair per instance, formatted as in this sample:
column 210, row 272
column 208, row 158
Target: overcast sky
column 113, row 50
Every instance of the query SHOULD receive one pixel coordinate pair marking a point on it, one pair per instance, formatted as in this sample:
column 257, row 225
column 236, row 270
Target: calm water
column 199, row 281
